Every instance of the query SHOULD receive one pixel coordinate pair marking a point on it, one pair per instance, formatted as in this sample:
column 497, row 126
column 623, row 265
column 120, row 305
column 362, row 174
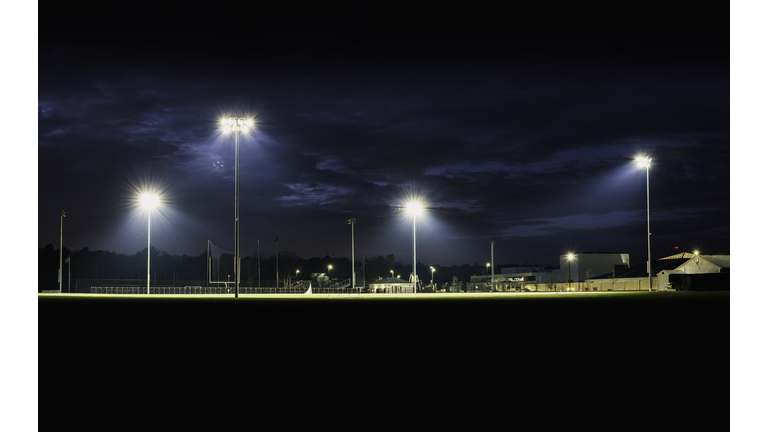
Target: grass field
column 630, row 350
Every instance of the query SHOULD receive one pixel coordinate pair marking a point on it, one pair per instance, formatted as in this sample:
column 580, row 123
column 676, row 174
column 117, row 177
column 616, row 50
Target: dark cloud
column 513, row 133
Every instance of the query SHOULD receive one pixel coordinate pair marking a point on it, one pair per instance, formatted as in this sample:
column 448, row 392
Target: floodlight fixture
column 149, row 200
column 643, row 161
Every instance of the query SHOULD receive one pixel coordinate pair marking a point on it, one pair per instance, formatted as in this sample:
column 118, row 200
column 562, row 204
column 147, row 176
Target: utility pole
column 492, row 271
column 277, row 271
column 61, row 247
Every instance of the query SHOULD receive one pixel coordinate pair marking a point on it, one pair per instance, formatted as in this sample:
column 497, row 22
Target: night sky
column 517, row 131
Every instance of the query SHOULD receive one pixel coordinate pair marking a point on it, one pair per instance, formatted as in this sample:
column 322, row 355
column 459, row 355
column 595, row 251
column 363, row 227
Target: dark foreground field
column 625, row 352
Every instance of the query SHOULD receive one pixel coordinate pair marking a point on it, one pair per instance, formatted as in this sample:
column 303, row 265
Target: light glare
column 643, row 162
column 149, row 200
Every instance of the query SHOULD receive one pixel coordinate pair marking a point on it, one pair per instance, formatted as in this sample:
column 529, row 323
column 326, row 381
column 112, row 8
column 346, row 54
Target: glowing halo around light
column 643, row 161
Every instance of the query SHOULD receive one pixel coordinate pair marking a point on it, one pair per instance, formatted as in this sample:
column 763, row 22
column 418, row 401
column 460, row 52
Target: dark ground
column 608, row 358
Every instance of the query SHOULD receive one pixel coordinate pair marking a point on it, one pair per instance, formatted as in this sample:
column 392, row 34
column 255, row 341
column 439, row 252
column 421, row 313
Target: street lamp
column 393, row 273
column 61, row 247
column 570, row 258
column 329, row 279
column 149, row 201
column 645, row 162
column 414, row 208
column 432, row 282
column 237, row 125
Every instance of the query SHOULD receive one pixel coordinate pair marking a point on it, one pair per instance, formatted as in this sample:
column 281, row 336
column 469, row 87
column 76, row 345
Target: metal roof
column 722, row 261
column 640, row 271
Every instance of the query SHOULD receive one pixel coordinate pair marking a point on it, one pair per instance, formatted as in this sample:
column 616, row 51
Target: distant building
column 529, row 278
column 391, row 285
column 697, row 273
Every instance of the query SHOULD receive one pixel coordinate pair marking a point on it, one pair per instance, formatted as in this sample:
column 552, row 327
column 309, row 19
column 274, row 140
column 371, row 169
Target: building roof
column 686, row 255
column 722, row 261
column 640, row 271
column 391, row 280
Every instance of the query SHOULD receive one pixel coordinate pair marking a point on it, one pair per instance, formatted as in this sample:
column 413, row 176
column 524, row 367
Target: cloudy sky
column 517, row 132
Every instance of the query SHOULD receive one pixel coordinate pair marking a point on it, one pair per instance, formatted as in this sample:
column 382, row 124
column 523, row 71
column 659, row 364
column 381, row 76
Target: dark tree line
column 85, row 264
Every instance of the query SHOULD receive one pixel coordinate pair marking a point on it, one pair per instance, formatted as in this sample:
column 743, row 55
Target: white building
column 580, row 264
column 719, row 266
column 391, row 285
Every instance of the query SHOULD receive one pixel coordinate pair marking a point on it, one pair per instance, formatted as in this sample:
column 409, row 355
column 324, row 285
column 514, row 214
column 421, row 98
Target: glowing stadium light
column 570, row 258
column 645, row 162
column 415, row 208
column 237, row 125
column 149, row 201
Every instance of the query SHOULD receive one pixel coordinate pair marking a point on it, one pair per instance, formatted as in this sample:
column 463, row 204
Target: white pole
column 149, row 216
column 237, row 213
column 492, row 271
column 648, row 195
column 414, row 254
column 61, row 248
column 353, row 257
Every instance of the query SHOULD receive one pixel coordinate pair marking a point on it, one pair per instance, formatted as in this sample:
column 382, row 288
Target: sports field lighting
column 414, row 208
column 61, row 247
column 570, row 258
column 236, row 125
column 645, row 162
column 149, row 201
column 352, row 223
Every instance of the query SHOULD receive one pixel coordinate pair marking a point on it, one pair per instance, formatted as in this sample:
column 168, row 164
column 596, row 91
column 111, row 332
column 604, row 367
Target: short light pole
column 570, row 258
column 297, row 277
column 330, row 281
column 645, row 162
column 61, row 247
column 487, row 268
column 432, row 282
column 393, row 273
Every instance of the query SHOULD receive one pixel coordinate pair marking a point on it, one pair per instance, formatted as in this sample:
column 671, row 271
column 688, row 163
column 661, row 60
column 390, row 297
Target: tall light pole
column 277, row 269
column 237, row 125
column 645, row 162
column 415, row 209
column 492, row 268
column 61, row 247
column 352, row 223
column 570, row 258
column 149, row 201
